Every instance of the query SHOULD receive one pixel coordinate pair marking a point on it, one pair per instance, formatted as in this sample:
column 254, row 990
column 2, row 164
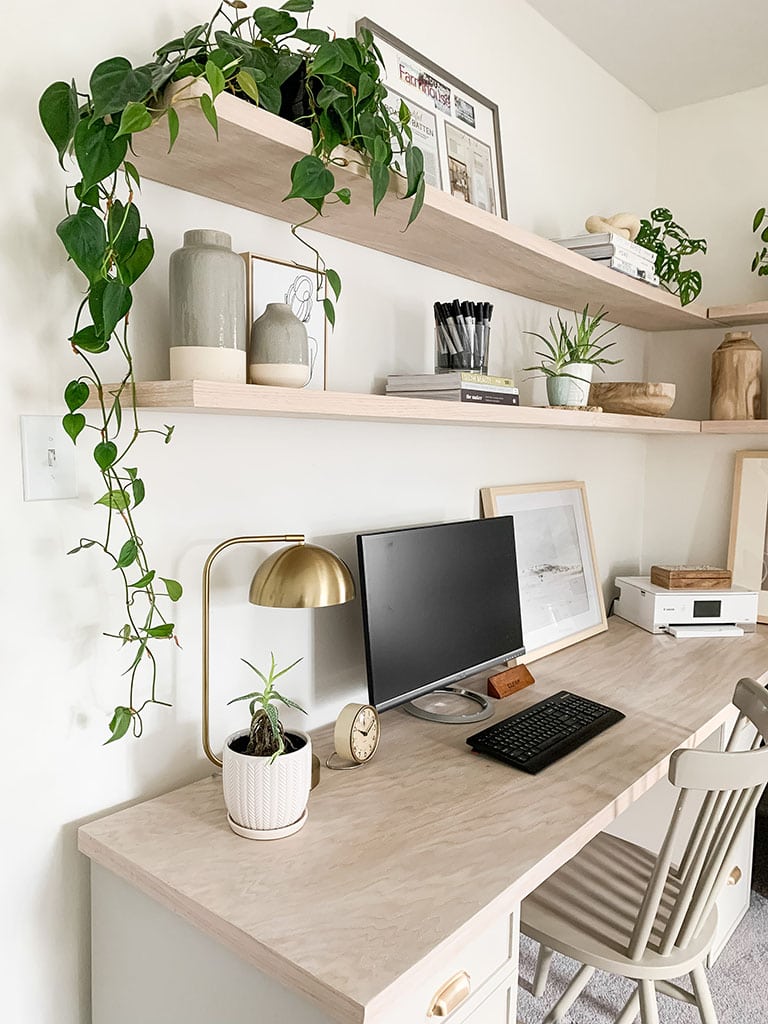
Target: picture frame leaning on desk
column 561, row 598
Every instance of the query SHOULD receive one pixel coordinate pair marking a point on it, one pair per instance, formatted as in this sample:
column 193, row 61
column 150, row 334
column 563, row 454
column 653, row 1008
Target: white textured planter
column 573, row 389
column 260, row 795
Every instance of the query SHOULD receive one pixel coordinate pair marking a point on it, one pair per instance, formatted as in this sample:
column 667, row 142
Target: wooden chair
column 619, row 908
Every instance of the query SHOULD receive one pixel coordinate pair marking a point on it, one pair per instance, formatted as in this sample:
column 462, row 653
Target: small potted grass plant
column 267, row 769
column 570, row 356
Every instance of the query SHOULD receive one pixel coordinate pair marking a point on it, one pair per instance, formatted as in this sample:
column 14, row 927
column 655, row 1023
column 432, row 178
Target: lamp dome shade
column 302, row 576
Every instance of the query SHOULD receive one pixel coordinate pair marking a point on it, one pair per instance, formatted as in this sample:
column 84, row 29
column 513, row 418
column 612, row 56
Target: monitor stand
column 478, row 707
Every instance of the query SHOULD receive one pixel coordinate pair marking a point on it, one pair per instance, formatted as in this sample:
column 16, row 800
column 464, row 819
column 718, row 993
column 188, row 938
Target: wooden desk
column 412, row 866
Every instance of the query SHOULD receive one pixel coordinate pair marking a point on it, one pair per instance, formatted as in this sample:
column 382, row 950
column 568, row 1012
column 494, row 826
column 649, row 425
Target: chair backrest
column 732, row 781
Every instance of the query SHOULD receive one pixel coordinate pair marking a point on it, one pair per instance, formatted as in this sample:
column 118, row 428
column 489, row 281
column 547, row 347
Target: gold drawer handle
column 452, row 994
column 735, row 877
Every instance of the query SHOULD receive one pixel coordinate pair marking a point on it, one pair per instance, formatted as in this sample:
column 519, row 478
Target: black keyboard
column 544, row 732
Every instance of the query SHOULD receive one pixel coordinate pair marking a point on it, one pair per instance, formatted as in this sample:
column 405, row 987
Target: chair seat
column 588, row 909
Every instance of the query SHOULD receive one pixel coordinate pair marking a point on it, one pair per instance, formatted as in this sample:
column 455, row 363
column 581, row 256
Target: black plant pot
column 294, row 101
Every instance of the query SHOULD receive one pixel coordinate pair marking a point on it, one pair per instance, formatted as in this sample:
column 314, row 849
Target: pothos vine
column 252, row 56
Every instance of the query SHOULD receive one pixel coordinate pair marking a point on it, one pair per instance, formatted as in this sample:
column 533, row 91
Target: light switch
column 47, row 459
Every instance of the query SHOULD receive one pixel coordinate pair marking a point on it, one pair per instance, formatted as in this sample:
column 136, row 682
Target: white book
column 607, row 244
column 393, row 388
column 631, row 269
column 442, row 381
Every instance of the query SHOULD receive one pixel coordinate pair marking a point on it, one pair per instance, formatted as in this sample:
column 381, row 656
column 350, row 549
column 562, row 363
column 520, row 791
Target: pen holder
column 450, row 355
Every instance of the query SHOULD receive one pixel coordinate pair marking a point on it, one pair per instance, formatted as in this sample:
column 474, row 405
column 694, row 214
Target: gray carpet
column 739, row 982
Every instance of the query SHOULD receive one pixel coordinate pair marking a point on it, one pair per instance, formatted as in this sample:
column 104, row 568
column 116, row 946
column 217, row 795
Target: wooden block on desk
column 690, row 577
column 513, row 679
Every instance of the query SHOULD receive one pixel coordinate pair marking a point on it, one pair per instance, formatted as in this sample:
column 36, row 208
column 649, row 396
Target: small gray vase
column 279, row 353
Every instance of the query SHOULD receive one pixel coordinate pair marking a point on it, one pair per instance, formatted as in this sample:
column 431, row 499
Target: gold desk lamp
column 299, row 576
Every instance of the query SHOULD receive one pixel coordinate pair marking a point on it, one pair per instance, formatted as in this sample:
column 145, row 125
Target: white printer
column 686, row 613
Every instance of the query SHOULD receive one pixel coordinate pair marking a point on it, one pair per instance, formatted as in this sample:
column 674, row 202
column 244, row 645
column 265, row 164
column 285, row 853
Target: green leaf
column 82, row 546
column 58, row 114
column 161, row 632
column 206, row 105
column 285, row 65
column 173, row 127
column 137, row 486
column 334, row 281
column 145, row 580
column 310, row 179
column 119, row 725
column 418, row 202
column 311, row 36
column 330, row 312
column 76, row 394
column 328, row 60
column 116, row 499
column 135, row 118
column 173, row 587
column 88, row 339
column 99, row 152
column 104, row 454
column 123, row 227
column 132, row 473
column 328, row 94
column 344, row 195
column 131, row 173
column 115, row 306
column 131, row 269
column 269, row 97
column 128, row 554
column 380, row 180
column 84, row 237
column 758, row 219
column 215, row 77
column 273, row 23
column 364, row 87
column 259, row 673
column 414, row 169
column 115, row 84
column 88, row 196
column 73, row 423
column 247, row 84
column 169, row 433
column 297, row 6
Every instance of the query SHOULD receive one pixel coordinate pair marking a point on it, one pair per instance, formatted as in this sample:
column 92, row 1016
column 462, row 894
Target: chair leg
column 629, row 1012
column 703, row 995
column 649, row 1008
column 571, row 994
column 543, row 963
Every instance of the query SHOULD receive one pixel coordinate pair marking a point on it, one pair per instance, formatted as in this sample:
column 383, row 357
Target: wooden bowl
column 633, row 398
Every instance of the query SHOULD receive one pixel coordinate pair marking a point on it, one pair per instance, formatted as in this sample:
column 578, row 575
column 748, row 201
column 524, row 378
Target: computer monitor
column 439, row 604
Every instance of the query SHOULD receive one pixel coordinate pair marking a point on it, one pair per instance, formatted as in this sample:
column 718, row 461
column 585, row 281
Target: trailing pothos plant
column 254, row 56
column 671, row 243
column 760, row 259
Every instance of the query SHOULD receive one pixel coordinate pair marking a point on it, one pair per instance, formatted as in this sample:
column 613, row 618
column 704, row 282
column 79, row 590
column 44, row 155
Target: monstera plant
column 332, row 86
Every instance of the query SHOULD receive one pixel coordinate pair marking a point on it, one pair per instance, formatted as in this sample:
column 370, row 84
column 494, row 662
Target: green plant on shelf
column 265, row 58
column 760, row 260
column 266, row 736
column 575, row 345
column 671, row 244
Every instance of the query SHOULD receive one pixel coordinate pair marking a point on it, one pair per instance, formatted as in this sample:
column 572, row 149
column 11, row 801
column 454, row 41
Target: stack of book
column 456, row 386
column 617, row 253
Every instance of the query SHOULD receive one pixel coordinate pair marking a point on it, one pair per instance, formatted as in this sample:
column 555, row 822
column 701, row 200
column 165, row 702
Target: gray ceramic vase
column 207, row 309
column 279, row 354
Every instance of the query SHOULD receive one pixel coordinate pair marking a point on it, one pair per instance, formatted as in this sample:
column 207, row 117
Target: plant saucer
column 268, row 833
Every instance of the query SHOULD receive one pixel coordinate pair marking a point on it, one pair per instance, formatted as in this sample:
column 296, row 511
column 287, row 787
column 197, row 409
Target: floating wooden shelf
column 250, row 165
column 736, row 316
column 734, row 427
column 249, row 399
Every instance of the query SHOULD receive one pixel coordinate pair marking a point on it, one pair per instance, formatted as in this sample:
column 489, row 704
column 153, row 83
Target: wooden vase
column 736, row 378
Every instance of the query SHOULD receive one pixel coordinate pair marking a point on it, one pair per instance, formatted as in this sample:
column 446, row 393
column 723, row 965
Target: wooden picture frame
column 748, row 539
column 271, row 280
column 456, row 127
column 561, row 596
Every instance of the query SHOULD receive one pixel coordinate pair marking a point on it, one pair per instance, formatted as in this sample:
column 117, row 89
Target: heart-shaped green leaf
column 115, row 84
column 73, row 423
column 84, row 237
column 135, row 118
column 104, row 454
column 58, row 114
column 119, row 724
column 98, row 150
column 76, row 394
column 173, row 587
column 310, row 179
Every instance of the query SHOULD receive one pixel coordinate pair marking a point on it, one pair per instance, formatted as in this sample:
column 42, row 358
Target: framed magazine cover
column 561, row 599
column 456, row 127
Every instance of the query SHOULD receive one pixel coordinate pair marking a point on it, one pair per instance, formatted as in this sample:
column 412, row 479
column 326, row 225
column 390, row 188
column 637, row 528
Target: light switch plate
column 47, row 459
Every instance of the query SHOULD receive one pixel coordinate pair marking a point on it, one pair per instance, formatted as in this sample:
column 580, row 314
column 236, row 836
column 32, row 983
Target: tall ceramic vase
column 279, row 349
column 207, row 307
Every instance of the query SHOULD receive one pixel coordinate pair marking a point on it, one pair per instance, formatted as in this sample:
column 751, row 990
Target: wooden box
column 690, row 577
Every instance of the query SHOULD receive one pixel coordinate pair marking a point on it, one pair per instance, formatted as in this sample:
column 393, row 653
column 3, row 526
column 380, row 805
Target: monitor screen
column 439, row 602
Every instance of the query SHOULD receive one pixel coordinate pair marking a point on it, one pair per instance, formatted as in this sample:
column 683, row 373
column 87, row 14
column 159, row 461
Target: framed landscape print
column 748, row 544
column 270, row 280
column 455, row 127
column 561, row 599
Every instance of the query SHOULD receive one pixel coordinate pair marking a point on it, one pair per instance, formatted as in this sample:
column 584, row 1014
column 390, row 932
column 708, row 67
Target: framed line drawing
column 272, row 280
column 748, row 542
column 456, row 127
column 561, row 599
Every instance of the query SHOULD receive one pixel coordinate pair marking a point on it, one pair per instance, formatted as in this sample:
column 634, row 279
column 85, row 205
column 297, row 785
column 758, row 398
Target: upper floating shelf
column 250, row 168
column 737, row 316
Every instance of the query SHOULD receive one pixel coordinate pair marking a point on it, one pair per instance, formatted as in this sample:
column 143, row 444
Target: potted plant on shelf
column 571, row 355
column 267, row 770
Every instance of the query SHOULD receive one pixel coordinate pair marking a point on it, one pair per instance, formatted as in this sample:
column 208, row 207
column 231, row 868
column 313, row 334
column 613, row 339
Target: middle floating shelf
column 249, row 167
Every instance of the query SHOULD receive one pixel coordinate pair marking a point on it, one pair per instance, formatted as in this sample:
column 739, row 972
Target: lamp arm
column 293, row 538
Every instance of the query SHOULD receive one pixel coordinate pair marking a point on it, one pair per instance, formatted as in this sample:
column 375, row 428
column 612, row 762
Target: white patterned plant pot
column 264, row 795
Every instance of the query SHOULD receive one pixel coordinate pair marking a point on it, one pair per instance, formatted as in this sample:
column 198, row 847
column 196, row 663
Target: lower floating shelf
column 254, row 400
column 734, row 427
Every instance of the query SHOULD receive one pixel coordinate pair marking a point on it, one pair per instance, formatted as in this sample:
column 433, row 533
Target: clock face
column 364, row 735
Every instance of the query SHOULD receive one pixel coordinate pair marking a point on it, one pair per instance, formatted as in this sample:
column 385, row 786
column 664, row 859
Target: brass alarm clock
column 355, row 736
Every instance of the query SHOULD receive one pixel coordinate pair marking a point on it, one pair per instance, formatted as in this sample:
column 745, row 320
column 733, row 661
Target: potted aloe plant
column 570, row 356
column 267, row 769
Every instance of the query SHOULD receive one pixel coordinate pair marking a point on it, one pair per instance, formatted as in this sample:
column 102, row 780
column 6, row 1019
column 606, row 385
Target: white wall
column 224, row 476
